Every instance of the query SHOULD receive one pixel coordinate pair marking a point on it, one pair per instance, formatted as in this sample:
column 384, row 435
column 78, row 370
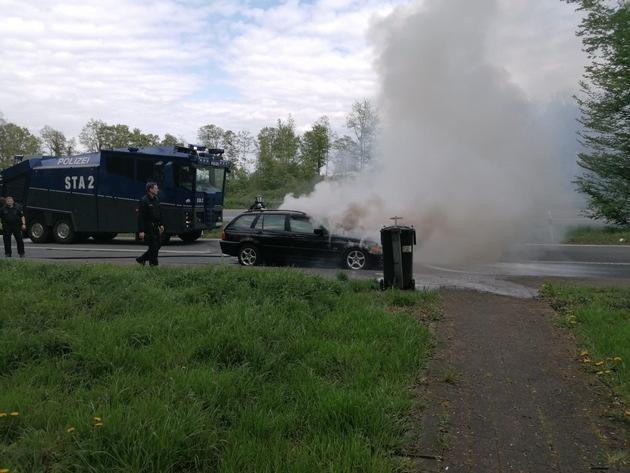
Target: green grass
column 598, row 236
column 600, row 318
column 213, row 369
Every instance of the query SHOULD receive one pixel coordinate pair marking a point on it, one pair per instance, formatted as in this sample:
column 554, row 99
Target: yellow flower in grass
column 4, row 470
column 599, row 373
column 628, row 413
column 70, row 430
column 3, row 414
column 617, row 358
column 14, row 414
column 599, row 363
column 98, row 424
column 98, row 419
column 584, row 353
column 586, row 360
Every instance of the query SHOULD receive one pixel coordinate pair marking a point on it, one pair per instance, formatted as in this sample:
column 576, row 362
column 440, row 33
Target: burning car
column 289, row 236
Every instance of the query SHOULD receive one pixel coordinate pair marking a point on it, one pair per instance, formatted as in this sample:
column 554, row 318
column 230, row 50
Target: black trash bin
column 397, row 242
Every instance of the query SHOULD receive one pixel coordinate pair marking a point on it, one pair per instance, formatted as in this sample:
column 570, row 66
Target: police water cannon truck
column 72, row 198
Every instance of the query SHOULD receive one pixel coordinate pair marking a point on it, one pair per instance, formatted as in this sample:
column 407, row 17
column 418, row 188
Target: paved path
column 505, row 393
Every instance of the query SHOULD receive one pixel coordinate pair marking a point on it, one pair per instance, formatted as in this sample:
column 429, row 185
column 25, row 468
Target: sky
column 175, row 65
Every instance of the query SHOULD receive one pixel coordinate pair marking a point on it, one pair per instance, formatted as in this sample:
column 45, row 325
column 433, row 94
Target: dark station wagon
column 291, row 236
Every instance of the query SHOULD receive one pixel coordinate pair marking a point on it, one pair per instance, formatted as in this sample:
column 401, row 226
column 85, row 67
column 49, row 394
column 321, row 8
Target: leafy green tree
column 277, row 163
column 171, row 140
column 364, row 121
column 97, row 135
column 210, row 136
column 54, row 141
column 315, row 147
column 93, row 135
column 15, row 140
column 140, row 140
column 604, row 105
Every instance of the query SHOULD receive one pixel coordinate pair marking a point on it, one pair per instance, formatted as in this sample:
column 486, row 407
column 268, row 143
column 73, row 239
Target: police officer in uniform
column 13, row 223
column 150, row 225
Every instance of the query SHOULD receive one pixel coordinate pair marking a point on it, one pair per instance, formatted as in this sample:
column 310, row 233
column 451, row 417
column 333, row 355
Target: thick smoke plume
column 459, row 158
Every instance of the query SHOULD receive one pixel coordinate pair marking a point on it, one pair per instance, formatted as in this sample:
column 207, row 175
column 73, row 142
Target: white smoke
column 460, row 158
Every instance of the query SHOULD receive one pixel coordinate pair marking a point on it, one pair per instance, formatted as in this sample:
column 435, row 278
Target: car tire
column 355, row 259
column 249, row 255
column 63, row 232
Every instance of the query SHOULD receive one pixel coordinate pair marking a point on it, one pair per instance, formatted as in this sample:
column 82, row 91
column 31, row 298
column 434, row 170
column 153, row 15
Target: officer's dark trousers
column 151, row 238
column 16, row 231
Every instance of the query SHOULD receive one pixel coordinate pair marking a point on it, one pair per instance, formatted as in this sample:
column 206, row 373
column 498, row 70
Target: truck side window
column 184, row 176
column 123, row 166
column 147, row 170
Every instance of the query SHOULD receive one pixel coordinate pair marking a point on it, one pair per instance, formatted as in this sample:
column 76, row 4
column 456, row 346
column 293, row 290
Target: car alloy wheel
column 249, row 255
column 355, row 259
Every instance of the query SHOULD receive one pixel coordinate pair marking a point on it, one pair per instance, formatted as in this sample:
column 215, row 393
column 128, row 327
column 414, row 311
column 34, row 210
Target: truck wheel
column 190, row 236
column 355, row 259
column 63, row 231
column 249, row 255
column 38, row 232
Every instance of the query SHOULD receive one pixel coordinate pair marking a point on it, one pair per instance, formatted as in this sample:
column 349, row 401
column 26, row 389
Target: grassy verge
column 600, row 318
column 124, row 369
column 598, row 236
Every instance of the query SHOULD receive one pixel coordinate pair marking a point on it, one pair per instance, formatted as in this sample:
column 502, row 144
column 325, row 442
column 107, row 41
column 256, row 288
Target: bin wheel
column 355, row 259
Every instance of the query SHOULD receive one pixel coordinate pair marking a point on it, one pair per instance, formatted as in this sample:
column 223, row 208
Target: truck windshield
column 210, row 179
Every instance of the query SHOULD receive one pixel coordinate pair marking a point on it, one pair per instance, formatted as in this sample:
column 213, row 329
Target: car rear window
column 245, row 221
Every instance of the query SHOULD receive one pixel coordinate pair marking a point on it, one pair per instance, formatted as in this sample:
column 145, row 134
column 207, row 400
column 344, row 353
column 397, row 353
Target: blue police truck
column 70, row 199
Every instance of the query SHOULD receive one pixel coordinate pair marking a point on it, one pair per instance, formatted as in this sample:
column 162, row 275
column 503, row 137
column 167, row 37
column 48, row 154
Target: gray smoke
column 460, row 157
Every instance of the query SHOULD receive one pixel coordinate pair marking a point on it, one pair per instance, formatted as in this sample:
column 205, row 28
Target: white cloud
column 173, row 66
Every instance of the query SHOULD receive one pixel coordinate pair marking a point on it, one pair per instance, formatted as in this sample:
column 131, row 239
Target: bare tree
column 364, row 122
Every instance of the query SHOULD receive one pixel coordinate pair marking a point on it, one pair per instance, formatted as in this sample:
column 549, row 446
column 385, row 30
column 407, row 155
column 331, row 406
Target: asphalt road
column 580, row 261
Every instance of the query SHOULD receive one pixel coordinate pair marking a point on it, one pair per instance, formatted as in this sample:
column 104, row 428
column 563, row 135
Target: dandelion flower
column 3, row 414
column 599, row 363
column 98, row 424
column 617, row 358
column 586, row 360
column 4, row 470
column 70, row 430
column 98, row 419
column 584, row 353
column 628, row 413
column 14, row 414
column 599, row 373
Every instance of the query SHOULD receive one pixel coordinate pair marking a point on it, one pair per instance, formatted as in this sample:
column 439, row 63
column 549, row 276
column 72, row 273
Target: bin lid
column 398, row 228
